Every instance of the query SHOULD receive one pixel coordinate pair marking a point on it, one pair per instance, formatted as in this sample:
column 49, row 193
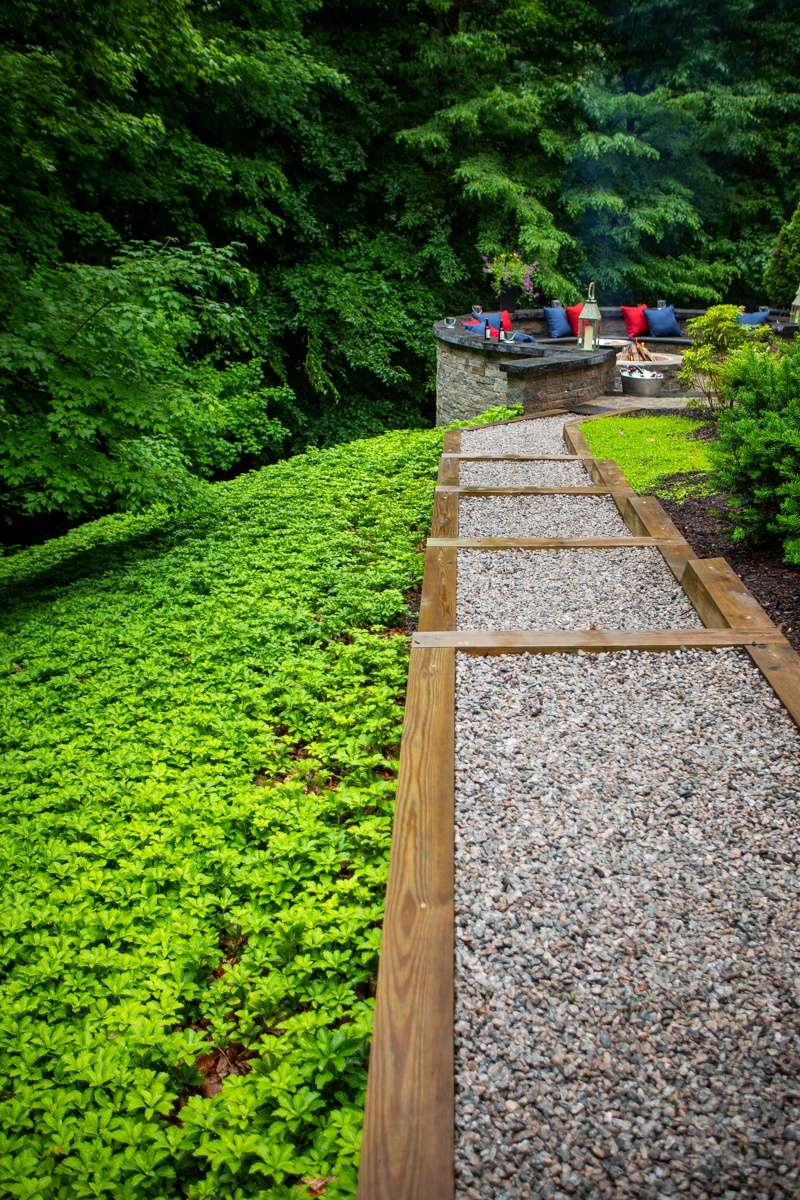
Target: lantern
column 589, row 321
column 794, row 311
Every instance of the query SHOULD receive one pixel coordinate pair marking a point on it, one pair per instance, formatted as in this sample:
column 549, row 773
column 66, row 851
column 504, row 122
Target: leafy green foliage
column 757, row 458
column 106, row 397
column 365, row 158
column 714, row 336
column 648, row 449
column 200, row 728
column 782, row 276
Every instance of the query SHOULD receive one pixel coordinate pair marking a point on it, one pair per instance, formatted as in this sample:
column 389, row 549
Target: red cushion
column 634, row 318
column 505, row 319
column 573, row 316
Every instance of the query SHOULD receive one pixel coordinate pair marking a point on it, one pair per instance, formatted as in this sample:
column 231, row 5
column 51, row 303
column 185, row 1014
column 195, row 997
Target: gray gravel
column 540, row 516
column 523, row 474
column 627, row 946
column 569, row 589
column 543, row 435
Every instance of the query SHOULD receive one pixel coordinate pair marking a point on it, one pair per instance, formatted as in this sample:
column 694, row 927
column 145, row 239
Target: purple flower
column 526, row 283
column 487, row 270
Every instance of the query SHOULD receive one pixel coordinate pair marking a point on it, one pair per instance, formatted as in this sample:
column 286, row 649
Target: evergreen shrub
column 757, row 456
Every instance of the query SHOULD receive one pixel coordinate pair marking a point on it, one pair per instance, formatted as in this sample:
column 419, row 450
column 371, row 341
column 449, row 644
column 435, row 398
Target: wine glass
column 450, row 322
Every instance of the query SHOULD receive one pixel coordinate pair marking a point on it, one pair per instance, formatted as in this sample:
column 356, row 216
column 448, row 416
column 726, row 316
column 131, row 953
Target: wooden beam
column 448, row 470
column 561, row 641
column 644, row 515
column 592, row 490
column 408, row 1145
column 721, row 598
column 516, row 457
column 445, row 514
column 780, row 666
column 452, row 441
column 529, row 543
column 575, row 441
column 437, row 608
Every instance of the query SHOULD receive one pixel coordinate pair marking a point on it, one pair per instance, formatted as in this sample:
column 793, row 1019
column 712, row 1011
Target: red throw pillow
column 505, row 320
column 573, row 316
column 635, row 320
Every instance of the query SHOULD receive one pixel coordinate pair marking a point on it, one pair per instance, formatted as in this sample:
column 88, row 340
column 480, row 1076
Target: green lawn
column 201, row 718
column 649, row 448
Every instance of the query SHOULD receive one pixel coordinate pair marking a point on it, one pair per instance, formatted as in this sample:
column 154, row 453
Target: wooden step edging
column 408, row 1142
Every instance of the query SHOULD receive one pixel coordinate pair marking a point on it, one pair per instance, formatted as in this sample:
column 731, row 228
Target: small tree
column 714, row 336
column 782, row 274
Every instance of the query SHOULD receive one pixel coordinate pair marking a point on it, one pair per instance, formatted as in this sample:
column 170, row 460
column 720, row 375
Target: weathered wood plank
column 452, row 442
column 437, row 608
column 721, row 598
column 445, row 514
column 554, row 641
column 407, row 1150
column 780, row 666
column 529, row 543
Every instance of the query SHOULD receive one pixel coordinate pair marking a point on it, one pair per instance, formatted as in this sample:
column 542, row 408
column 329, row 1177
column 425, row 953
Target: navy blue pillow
column 758, row 318
column 557, row 324
column 480, row 328
column 661, row 322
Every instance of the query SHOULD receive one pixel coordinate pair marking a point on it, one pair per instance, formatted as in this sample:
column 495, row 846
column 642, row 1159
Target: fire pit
column 638, row 354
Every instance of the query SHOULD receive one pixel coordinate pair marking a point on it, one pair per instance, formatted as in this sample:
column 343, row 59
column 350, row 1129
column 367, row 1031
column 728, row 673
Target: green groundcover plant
column 201, row 721
column 650, row 449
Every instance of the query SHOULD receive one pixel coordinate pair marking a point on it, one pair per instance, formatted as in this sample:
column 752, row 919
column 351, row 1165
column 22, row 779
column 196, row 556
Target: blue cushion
column 557, row 324
column 758, row 318
column 480, row 328
column 662, row 322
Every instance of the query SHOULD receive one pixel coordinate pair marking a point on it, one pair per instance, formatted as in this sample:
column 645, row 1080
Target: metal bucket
column 633, row 385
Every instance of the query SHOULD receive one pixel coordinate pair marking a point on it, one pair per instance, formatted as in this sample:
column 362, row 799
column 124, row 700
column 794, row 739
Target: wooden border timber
column 471, row 458
column 408, row 1148
column 566, row 641
column 444, row 522
column 531, row 543
column 531, row 490
column 437, row 608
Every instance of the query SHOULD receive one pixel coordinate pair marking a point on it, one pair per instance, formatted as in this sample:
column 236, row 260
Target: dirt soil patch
column 705, row 523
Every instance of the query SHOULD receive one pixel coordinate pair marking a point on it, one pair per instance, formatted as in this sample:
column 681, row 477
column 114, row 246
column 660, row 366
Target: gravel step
column 541, row 436
column 523, row 474
column 540, row 516
column 627, row 935
column 569, row 589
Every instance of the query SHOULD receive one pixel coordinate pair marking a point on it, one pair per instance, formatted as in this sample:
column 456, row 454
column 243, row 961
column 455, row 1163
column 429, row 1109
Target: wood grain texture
column 452, row 442
column 407, row 1150
column 556, row 641
column 780, row 666
column 437, row 608
column 721, row 598
column 445, row 513
column 529, row 543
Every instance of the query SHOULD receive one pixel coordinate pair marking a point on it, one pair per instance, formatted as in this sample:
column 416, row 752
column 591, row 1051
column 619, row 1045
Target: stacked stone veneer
column 471, row 379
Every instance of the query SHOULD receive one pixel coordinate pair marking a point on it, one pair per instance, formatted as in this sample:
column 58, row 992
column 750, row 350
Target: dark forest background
column 225, row 228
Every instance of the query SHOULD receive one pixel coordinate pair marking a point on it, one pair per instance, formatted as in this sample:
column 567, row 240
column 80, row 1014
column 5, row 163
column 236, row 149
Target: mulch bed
column 705, row 523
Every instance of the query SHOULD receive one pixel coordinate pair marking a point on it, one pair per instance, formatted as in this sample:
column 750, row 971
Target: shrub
column 782, row 274
column 714, row 336
column 757, row 456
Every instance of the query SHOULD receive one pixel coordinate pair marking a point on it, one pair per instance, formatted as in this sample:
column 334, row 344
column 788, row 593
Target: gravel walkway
column 627, row 901
column 523, row 474
column 545, row 436
column 540, row 516
column 569, row 589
